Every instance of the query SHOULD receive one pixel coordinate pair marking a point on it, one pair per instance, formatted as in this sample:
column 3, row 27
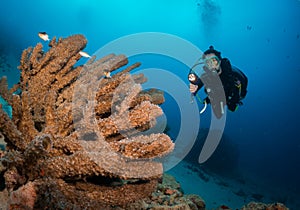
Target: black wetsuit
column 230, row 78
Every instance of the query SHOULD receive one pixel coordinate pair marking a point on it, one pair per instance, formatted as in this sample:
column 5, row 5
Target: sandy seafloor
column 234, row 193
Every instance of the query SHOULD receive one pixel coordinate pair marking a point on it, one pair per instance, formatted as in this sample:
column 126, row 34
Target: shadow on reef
column 223, row 162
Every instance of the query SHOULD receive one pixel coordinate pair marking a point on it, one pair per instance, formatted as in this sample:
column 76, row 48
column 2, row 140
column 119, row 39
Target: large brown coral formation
column 74, row 134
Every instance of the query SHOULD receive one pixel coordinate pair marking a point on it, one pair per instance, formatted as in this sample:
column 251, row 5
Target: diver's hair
column 212, row 50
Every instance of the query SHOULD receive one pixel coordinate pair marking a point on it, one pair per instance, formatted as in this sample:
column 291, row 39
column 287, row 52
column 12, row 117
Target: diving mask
column 212, row 63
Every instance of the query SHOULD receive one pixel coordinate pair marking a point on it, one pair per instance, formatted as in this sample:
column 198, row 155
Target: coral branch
column 23, row 198
column 4, row 92
column 13, row 136
column 154, row 145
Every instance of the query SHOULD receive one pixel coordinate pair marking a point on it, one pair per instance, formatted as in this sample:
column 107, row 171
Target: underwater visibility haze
column 260, row 145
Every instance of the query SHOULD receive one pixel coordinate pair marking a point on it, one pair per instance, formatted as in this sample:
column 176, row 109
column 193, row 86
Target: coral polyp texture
column 76, row 137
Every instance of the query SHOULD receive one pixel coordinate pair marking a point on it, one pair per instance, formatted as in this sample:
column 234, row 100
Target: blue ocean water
column 262, row 38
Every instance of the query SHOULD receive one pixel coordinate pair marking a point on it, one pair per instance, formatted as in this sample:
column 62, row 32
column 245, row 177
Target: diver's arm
column 195, row 83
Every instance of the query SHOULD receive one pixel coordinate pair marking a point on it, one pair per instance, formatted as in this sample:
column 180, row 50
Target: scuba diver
column 224, row 84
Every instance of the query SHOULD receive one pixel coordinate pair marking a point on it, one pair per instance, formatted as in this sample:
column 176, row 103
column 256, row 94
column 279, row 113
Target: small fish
column 107, row 74
column 44, row 36
column 84, row 54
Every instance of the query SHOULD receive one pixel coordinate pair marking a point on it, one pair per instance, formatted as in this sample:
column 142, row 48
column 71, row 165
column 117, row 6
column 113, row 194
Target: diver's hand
column 193, row 88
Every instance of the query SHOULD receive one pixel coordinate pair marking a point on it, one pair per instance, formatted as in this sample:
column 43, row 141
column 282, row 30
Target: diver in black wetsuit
column 224, row 83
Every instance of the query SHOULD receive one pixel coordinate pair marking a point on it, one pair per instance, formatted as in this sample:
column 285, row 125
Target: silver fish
column 84, row 54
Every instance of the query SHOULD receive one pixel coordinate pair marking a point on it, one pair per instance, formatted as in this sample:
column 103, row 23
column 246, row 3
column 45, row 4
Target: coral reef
column 2, row 144
column 263, row 206
column 75, row 139
column 169, row 196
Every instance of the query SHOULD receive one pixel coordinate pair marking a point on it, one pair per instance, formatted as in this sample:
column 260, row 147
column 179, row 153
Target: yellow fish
column 44, row 36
